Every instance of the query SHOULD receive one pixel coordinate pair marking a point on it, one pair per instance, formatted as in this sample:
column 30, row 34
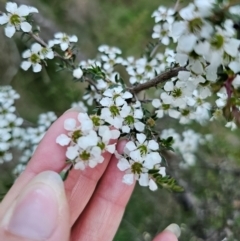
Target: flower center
column 15, row 19
column 85, row 156
column 217, row 41
column 195, row 25
column 166, row 107
column 177, row 93
column 44, row 51
column 101, row 145
column 96, row 120
column 143, row 149
column 185, row 112
column 34, row 58
column 76, row 135
column 137, row 168
column 148, row 68
column 65, row 38
column 114, row 110
column 129, row 120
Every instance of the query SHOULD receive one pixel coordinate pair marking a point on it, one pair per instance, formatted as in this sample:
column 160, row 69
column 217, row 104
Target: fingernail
column 34, row 215
column 75, row 109
column 174, row 228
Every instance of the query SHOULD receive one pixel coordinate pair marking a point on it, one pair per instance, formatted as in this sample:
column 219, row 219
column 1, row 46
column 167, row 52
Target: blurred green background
column 209, row 209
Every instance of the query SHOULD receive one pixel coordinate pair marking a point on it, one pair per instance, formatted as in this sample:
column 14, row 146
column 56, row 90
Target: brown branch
column 157, row 80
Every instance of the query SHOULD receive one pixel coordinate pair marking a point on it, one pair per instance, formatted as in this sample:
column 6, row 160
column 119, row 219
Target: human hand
column 88, row 206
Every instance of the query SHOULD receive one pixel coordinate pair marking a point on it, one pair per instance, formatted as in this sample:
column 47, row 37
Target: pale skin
column 89, row 205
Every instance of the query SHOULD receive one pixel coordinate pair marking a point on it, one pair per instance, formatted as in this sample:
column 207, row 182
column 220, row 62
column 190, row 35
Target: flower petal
column 10, row 31
column 37, row 68
column 26, row 27
column 25, row 65
column 11, row 7
column 63, row 140
column 4, row 19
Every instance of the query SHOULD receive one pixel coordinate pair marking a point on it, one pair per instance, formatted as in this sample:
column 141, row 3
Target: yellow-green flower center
column 101, row 145
column 166, row 107
column 185, row 112
column 217, row 41
column 65, row 38
column 114, row 110
column 35, row 58
column 143, row 149
column 15, row 19
column 85, row 156
column 137, row 168
column 96, row 120
column 177, row 92
column 76, row 134
column 195, row 25
column 129, row 120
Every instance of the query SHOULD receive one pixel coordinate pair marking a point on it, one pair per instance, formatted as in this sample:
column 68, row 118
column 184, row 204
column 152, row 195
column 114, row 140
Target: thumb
column 40, row 212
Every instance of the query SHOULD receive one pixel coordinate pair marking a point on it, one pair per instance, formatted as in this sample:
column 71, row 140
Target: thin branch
column 157, row 80
column 37, row 39
column 91, row 82
column 176, row 7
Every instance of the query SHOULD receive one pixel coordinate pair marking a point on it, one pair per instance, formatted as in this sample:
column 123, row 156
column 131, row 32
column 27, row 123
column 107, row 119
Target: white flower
column 205, row 7
column 231, row 125
column 221, row 102
column 236, row 81
column 106, row 134
column 164, row 109
column 179, row 95
column 164, row 14
column 16, row 18
column 47, row 118
column 109, row 50
column 34, row 59
column 110, row 60
column 134, row 170
column 65, row 40
column 80, row 106
column 77, row 73
column 143, row 151
column 162, row 32
column 46, row 53
column 131, row 117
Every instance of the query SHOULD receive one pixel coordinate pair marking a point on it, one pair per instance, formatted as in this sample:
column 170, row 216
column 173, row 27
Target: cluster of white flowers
column 201, row 48
column 31, row 137
column 186, row 144
column 37, row 54
column 13, row 135
column 88, row 139
column 10, row 130
column 139, row 157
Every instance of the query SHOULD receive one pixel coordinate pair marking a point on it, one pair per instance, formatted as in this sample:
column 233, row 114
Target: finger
column 39, row 213
column 80, row 186
column 48, row 156
column 171, row 233
column 102, row 216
